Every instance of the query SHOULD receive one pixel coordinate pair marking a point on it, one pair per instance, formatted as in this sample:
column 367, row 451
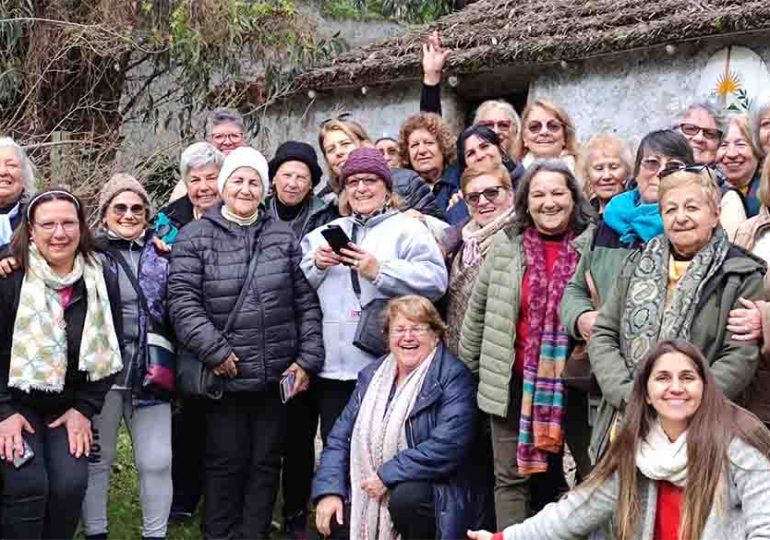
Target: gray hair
column 27, row 168
column 224, row 115
column 498, row 104
column 761, row 106
column 714, row 111
column 197, row 155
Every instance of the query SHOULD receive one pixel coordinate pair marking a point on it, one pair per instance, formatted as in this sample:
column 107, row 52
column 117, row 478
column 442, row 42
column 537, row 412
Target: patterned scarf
column 39, row 349
column 476, row 239
column 378, row 435
column 545, row 353
column 647, row 318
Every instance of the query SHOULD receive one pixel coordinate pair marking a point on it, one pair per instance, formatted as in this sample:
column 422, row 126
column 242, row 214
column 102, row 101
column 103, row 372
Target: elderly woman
column 686, row 463
column 240, row 304
column 199, row 167
column 760, row 120
column 547, row 133
column 702, row 124
column 605, row 166
column 389, row 255
column 513, row 339
column 59, row 351
column 397, row 458
column 682, row 284
column 17, row 185
column 139, row 395
column 388, row 147
column 339, row 137
column 738, row 158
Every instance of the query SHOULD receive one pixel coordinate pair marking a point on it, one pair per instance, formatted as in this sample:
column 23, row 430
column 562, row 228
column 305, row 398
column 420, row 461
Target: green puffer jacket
column 489, row 329
column 733, row 363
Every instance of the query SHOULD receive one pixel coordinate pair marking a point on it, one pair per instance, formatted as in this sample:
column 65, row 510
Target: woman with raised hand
column 59, row 352
column 686, row 463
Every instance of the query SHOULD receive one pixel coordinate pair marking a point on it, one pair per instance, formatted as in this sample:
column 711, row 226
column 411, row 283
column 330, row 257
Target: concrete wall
column 631, row 94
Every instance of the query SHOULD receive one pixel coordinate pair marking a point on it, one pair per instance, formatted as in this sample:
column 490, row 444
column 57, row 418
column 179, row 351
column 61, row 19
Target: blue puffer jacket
column 439, row 432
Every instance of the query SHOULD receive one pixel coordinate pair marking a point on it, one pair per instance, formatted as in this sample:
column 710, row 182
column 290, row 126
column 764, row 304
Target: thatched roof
column 493, row 33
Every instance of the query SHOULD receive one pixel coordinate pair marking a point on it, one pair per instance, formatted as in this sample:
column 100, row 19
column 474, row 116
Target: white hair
column 197, row 155
column 27, row 168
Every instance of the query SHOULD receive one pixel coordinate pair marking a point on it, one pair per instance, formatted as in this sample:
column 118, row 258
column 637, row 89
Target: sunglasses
column 691, row 130
column 499, row 124
column 490, row 194
column 343, row 116
column 536, row 126
column 654, row 165
column 670, row 169
column 121, row 209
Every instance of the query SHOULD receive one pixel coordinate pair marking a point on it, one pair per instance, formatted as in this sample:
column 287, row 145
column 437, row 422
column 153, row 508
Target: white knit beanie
column 245, row 156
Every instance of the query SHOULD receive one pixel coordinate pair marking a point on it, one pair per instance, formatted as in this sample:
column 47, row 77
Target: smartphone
column 287, row 386
column 25, row 457
column 336, row 237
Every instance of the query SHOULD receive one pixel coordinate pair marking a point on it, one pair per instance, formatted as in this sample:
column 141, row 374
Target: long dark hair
column 715, row 424
column 21, row 240
column 583, row 213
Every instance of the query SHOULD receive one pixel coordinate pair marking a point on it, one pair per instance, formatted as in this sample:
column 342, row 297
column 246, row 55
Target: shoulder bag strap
column 353, row 273
column 245, row 288
column 118, row 256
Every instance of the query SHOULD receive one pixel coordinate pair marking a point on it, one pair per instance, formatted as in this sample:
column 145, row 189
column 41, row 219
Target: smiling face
column 675, row 391
column 292, row 183
column 736, row 157
column 337, row 147
column 11, row 182
column 55, row 232
column 389, row 150
column 479, row 152
column 702, row 133
column 647, row 179
column 543, row 134
column 366, row 193
column 425, row 155
column 202, row 187
column 485, row 209
column 550, row 203
column 689, row 218
column 410, row 342
column 243, row 192
column 227, row 137
column 126, row 215
column 606, row 173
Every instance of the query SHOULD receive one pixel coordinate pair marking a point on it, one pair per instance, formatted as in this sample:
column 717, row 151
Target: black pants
column 188, row 442
column 244, row 437
column 299, row 456
column 411, row 508
column 577, row 432
column 333, row 395
column 42, row 499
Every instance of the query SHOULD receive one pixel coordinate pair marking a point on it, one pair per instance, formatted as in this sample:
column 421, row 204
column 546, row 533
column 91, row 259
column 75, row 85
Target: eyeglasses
column 504, row 125
column 121, row 209
column 692, row 130
column 51, row 226
column 670, row 169
column 219, row 138
column 490, row 194
column 343, row 116
column 353, row 183
column 536, row 126
column 655, row 165
column 416, row 330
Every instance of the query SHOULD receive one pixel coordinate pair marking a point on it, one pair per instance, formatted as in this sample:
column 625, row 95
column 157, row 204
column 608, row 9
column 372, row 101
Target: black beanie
column 296, row 151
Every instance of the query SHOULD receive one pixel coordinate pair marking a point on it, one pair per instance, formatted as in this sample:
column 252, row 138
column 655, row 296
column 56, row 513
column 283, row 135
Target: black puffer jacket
column 416, row 193
column 280, row 319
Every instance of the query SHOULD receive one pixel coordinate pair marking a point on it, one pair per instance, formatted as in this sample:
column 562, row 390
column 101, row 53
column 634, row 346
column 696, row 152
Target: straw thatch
column 492, row 33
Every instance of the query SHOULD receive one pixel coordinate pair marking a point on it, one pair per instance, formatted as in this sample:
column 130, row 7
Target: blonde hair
column 508, row 110
column 352, row 129
column 703, row 179
column 415, row 308
column 570, row 138
column 497, row 171
column 764, row 184
column 743, row 123
column 605, row 143
column 343, row 204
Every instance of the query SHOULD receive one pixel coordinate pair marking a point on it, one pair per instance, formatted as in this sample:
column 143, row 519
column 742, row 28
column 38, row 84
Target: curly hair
column 434, row 125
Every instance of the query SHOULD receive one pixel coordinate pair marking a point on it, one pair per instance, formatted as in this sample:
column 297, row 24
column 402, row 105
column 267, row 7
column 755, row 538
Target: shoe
column 179, row 516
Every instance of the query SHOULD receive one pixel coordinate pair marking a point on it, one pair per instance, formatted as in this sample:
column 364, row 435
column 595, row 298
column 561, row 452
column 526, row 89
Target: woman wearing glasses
column 139, row 271
column 513, row 339
column 397, row 462
column 702, row 124
column 59, row 351
column 389, row 255
column 547, row 132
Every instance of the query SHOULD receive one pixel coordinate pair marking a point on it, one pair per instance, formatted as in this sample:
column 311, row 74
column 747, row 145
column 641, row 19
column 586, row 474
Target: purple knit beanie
column 367, row 160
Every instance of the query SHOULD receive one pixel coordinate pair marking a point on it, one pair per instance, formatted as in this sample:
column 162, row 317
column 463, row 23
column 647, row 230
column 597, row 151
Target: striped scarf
column 545, row 353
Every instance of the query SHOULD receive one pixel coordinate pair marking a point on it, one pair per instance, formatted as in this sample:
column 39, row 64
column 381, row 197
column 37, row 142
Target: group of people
column 501, row 305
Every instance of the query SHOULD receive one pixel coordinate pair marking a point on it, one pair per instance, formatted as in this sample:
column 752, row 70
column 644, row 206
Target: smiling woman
column 17, row 185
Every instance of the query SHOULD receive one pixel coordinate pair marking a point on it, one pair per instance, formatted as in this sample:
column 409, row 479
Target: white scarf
column 378, row 435
column 39, row 349
column 235, row 218
column 6, row 231
column 658, row 458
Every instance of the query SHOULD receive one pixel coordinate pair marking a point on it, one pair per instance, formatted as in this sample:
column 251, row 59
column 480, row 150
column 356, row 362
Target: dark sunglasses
column 553, row 126
column 121, row 209
column 490, row 194
column 672, row 168
column 343, row 116
column 692, row 130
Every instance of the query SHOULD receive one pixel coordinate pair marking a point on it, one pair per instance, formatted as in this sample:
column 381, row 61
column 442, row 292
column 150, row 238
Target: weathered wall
column 631, row 94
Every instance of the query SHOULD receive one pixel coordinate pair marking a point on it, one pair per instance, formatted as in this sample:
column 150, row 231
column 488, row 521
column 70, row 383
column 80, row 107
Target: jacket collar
column 214, row 215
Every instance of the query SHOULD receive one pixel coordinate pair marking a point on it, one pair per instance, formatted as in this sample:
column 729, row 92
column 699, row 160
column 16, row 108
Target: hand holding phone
column 336, row 237
column 287, row 386
column 27, row 454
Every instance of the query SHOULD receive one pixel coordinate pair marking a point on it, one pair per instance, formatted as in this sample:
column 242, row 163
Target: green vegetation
column 413, row 11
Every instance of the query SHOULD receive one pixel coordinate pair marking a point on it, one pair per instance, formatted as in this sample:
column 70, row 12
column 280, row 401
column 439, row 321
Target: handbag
column 578, row 373
column 194, row 378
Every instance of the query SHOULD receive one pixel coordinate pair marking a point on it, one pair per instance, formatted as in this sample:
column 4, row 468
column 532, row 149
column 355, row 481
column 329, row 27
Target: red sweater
column 552, row 249
column 668, row 511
